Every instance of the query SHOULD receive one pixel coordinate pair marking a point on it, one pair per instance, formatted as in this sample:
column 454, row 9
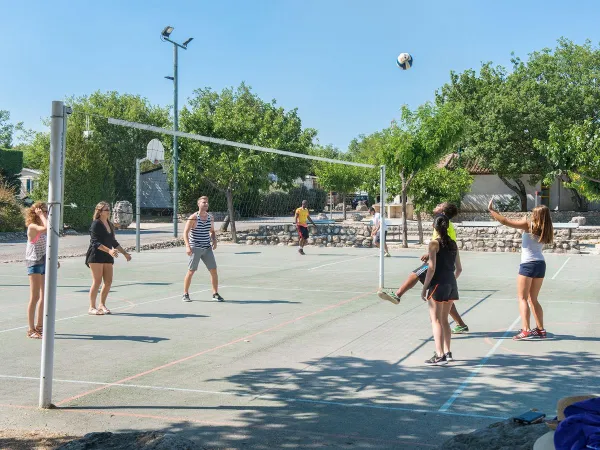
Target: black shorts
column 443, row 292
column 533, row 269
column 302, row 231
column 421, row 272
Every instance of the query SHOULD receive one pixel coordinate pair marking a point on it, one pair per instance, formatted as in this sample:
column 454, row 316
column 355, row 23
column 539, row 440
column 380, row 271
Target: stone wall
column 592, row 217
column 486, row 239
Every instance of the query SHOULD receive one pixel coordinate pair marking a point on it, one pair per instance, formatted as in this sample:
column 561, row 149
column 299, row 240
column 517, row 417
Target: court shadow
column 102, row 337
column 249, row 302
column 159, row 316
column 247, row 253
column 315, row 403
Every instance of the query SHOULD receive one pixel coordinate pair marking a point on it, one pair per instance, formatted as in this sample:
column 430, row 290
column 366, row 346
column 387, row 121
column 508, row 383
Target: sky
column 334, row 60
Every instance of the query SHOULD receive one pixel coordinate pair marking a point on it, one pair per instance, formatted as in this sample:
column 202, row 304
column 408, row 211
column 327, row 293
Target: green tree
column 420, row 139
column 239, row 115
column 7, row 129
column 341, row 178
column 101, row 165
column 434, row 185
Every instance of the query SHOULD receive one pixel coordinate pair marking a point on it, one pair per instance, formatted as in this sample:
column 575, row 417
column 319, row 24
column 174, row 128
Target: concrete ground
column 301, row 355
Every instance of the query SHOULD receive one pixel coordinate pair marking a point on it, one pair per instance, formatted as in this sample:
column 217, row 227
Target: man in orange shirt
column 300, row 218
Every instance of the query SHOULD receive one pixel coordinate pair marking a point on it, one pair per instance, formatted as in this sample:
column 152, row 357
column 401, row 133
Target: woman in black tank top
column 440, row 290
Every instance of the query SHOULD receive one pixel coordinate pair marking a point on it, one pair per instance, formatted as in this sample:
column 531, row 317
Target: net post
column 57, row 135
column 383, row 226
column 138, row 191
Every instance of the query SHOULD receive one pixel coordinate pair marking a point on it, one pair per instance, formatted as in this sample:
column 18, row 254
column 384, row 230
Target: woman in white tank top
column 536, row 233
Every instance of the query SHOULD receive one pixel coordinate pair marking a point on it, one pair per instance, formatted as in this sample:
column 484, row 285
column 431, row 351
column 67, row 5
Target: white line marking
column 341, row 262
column 476, row 370
column 561, row 268
column 114, row 309
column 272, row 397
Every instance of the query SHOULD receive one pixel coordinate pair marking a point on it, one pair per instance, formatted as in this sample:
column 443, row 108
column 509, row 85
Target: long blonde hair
column 541, row 224
column 31, row 216
column 98, row 211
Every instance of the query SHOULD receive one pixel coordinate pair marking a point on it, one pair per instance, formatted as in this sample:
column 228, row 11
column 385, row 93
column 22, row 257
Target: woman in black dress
column 100, row 257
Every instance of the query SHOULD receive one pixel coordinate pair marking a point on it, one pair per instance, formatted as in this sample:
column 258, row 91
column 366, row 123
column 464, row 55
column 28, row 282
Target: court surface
column 301, row 355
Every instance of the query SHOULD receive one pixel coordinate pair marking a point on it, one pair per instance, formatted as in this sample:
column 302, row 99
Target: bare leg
column 35, row 280
column 536, row 307
column 410, row 283
column 214, row 280
column 96, row 269
column 107, row 275
column 40, row 307
column 435, row 313
column 446, row 331
column 187, row 281
column 456, row 316
column 523, row 288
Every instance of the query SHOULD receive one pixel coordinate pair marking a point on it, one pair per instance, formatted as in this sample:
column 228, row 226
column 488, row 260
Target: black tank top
column 445, row 264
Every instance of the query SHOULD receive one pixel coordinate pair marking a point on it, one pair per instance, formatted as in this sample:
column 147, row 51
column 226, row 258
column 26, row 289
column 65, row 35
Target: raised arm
column 519, row 224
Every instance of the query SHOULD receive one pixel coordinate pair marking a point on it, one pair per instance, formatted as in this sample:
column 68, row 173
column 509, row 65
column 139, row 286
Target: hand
column 214, row 245
column 491, row 205
column 40, row 212
column 114, row 252
column 188, row 250
column 425, row 257
column 127, row 256
column 424, row 294
column 59, row 264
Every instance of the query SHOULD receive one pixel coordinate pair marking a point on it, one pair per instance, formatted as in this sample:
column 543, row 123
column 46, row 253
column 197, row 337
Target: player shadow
column 250, row 302
column 103, row 337
column 316, row 403
column 247, row 253
column 137, row 283
column 160, row 315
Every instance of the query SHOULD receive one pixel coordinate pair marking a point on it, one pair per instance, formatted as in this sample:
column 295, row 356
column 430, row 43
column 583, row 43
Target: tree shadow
column 103, row 337
column 321, row 402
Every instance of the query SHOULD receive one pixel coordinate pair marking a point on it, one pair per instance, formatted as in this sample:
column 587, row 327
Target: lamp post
column 165, row 37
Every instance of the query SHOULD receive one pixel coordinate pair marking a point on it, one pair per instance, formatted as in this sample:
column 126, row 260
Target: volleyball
column 404, row 61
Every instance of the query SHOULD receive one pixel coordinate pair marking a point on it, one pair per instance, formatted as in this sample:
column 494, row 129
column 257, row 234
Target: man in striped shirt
column 200, row 241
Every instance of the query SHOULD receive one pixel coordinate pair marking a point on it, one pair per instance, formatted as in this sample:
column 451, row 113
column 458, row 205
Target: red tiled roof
column 474, row 166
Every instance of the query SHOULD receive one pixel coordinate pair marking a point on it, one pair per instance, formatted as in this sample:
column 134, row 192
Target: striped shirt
column 35, row 252
column 200, row 235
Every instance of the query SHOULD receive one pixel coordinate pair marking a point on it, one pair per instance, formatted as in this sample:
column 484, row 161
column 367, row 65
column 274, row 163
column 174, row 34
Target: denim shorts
column 533, row 269
column 39, row 269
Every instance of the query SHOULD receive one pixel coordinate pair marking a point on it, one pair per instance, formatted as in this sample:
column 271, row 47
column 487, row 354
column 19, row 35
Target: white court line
column 266, row 397
column 476, row 370
column 113, row 309
column 561, row 268
column 341, row 262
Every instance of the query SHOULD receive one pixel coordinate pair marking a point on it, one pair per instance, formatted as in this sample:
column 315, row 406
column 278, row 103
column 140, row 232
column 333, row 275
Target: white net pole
column 383, row 226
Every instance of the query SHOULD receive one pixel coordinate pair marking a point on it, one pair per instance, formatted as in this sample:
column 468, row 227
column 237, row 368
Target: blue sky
column 332, row 59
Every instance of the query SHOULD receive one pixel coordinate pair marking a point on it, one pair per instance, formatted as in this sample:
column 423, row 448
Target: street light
column 164, row 36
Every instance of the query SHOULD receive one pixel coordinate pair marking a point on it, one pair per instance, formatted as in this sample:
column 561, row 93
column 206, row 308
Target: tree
column 241, row 116
column 434, row 185
column 100, row 165
column 420, row 139
column 7, row 129
column 337, row 177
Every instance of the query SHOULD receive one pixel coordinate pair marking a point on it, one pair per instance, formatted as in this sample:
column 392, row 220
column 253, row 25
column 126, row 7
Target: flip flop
column 95, row 312
column 33, row 334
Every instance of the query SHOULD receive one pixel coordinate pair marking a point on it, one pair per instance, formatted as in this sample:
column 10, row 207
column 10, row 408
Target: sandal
column 104, row 309
column 33, row 334
column 39, row 329
column 95, row 312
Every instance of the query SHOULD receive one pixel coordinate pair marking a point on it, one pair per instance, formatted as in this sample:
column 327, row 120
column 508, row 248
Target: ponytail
column 441, row 224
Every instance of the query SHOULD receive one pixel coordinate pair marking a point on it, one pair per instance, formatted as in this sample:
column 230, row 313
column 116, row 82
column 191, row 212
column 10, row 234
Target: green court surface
column 302, row 354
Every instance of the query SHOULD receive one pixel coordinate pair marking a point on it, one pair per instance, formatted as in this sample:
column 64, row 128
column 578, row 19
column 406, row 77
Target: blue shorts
column 533, row 269
column 39, row 269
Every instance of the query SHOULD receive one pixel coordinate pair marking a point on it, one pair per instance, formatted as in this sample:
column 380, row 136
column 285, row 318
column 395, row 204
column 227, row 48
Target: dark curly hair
column 441, row 224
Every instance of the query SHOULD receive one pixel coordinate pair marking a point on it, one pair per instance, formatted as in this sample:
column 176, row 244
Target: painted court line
column 113, row 309
column 342, row 262
column 273, row 397
column 561, row 267
column 235, row 341
column 476, row 370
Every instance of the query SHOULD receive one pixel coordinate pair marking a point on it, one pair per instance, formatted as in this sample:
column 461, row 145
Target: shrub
column 11, row 213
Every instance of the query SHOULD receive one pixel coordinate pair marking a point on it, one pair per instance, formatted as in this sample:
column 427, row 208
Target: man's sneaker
column 389, row 296
column 436, row 360
column 387, row 255
column 301, row 251
column 536, row 333
column 460, row 330
column 218, row 298
column 522, row 335
column 186, row 298
column 449, row 356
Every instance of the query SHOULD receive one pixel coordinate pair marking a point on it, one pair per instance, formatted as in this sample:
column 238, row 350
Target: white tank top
column 531, row 248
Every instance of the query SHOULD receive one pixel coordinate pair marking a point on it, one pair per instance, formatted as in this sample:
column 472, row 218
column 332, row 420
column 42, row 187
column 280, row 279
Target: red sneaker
column 523, row 334
column 538, row 334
